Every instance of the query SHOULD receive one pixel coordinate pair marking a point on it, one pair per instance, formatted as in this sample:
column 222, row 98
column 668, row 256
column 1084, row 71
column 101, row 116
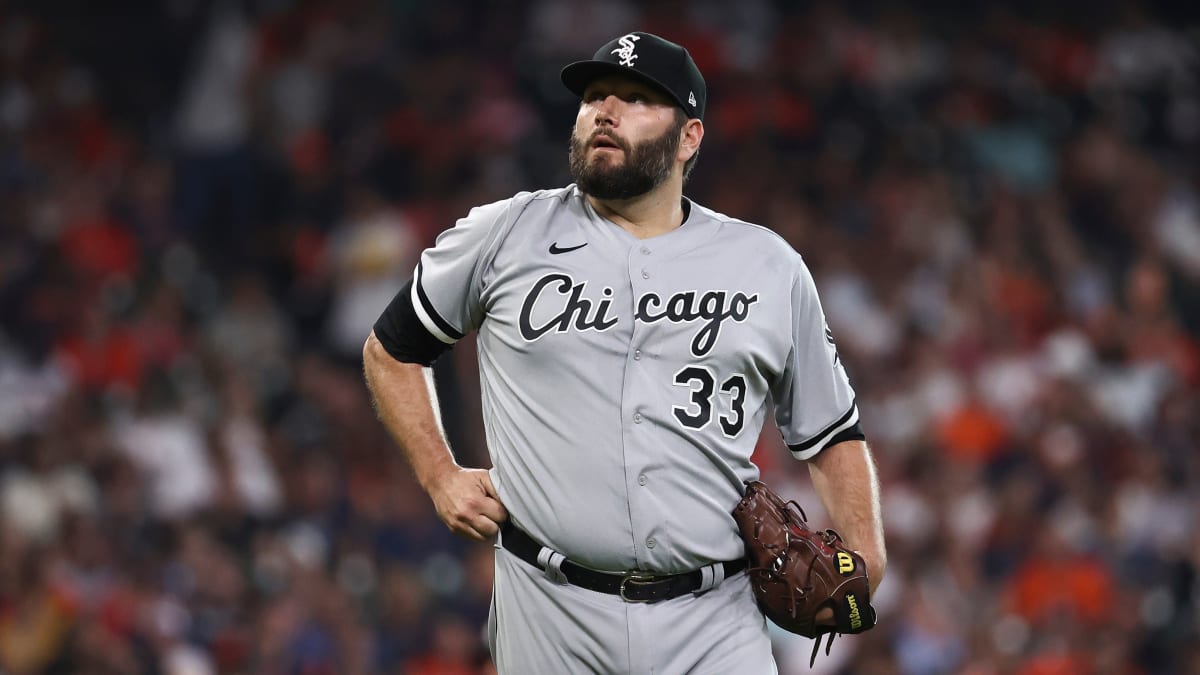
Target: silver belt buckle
column 635, row 578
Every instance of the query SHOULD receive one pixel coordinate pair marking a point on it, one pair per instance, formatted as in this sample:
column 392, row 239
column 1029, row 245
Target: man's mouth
column 600, row 142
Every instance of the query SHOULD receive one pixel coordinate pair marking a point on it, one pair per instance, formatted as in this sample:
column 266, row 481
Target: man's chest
column 608, row 303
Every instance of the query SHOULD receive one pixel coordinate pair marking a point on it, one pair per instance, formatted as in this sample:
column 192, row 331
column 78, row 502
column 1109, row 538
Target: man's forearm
column 406, row 403
column 845, row 479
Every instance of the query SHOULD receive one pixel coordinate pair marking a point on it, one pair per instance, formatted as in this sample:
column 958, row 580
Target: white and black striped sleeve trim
column 846, row 428
column 433, row 322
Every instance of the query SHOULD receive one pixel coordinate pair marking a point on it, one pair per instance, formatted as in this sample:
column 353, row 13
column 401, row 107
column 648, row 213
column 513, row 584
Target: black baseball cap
column 649, row 58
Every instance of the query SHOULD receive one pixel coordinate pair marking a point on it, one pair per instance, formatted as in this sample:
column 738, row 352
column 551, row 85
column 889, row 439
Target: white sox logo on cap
column 625, row 51
column 647, row 57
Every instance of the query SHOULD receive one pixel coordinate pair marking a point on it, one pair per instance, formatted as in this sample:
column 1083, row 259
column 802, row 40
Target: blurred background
column 205, row 205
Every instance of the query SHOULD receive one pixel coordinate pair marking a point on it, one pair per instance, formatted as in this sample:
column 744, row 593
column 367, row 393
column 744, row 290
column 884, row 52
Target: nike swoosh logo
column 555, row 250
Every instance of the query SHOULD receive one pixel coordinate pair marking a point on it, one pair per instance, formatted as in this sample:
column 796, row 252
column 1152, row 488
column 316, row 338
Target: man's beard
column 646, row 165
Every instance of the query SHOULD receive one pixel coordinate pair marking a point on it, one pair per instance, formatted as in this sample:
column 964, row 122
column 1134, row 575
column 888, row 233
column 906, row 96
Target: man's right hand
column 467, row 503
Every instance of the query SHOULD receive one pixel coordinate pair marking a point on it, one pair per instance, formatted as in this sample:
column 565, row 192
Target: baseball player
column 630, row 342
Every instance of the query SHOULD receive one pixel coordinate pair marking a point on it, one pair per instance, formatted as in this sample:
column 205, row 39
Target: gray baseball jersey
column 625, row 381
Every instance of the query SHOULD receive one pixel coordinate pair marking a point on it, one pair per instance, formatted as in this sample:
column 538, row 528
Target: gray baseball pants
column 539, row 627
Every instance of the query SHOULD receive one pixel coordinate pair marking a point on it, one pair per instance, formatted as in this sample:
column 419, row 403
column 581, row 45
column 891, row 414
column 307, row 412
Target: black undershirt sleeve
column 854, row 433
column 402, row 334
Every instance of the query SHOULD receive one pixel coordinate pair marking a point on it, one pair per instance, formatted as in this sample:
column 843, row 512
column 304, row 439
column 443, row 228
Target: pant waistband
column 630, row 586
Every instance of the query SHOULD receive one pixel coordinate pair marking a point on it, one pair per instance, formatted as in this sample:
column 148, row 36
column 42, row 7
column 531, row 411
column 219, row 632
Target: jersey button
column 645, row 251
column 637, row 355
column 650, row 543
column 642, row 479
column 637, row 418
column 645, row 274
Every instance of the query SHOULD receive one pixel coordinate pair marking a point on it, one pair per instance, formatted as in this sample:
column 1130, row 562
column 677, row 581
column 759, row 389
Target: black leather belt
column 630, row 586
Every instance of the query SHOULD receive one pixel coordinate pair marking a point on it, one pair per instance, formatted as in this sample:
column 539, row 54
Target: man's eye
column 637, row 98
column 592, row 96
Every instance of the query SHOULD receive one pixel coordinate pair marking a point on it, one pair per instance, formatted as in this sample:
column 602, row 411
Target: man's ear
column 690, row 137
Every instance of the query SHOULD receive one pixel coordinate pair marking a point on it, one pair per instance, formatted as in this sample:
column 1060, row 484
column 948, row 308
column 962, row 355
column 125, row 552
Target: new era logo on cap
column 647, row 57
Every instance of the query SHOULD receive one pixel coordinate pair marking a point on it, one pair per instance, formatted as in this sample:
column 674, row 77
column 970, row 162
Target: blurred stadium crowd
column 205, row 205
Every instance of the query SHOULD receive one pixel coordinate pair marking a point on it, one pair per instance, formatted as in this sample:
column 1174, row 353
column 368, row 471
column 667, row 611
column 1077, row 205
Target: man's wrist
column 876, row 564
column 432, row 474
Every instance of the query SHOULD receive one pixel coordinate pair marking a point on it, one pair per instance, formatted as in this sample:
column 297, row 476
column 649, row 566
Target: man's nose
column 608, row 111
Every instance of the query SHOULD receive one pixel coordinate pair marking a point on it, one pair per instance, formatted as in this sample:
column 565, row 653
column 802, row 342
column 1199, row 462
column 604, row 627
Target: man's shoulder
column 562, row 194
column 506, row 210
column 523, row 200
column 744, row 234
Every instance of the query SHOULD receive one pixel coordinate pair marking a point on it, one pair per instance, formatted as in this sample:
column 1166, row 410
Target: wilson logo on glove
column 796, row 572
column 855, row 616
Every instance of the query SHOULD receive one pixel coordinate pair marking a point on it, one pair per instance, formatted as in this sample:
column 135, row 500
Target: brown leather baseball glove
column 796, row 572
